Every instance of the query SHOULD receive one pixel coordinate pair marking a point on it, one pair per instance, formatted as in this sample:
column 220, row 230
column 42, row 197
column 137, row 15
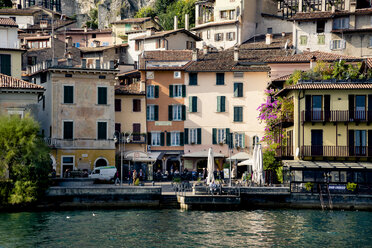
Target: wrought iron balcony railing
column 284, row 151
column 336, row 116
column 336, row 151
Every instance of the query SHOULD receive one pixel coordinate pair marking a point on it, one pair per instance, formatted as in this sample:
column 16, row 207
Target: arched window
column 256, row 140
column 101, row 162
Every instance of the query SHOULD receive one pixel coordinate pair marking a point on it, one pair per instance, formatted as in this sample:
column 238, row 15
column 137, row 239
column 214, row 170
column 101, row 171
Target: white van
column 103, row 173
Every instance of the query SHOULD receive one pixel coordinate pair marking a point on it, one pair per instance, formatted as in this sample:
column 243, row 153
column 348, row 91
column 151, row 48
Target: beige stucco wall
column 25, row 102
column 16, row 62
column 207, row 117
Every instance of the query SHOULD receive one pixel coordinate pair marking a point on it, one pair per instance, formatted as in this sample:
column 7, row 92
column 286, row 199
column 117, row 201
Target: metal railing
column 79, row 142
column 336, row 116
column 336, row 151
column 284, row 151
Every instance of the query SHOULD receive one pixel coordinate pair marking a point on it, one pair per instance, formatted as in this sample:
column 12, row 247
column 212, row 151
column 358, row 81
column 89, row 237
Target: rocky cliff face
column 108, row 10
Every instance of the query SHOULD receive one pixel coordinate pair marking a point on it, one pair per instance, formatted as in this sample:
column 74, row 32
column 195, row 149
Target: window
column 138, row 45
column 175, row 138
column 360, row 107
column 177, row 74
column 193, row 79
column 156, row 139
column 218, row 37
column 68, row 163
column 177, row 112
column 239, row 140
column 68, row 130
column 338, row 44
column 31, row 60
column 256, row 140
column 153, row 91
column 118, row 127
column 5, row 64
column 208, row 34
column 238, row 89
column 192, row 136
column 320, row 25
column 303, row 40
column 68, row 94
column 190, row 45
column 16, row 112
column 341, row 23
column 223, row 14
column 177, row 90
column 136, row 105
column 193, row 104
column 94, row 35
column 238, row 114
column 152, row 112
column 160, row 43
column 102, row 95
column 231, row 14
column 221, row 103
column 317, row 107
column 321, row 39
column 136, row 131
column 101, row 130
column 269, row 30
column 230, row 36
column 118, row 105
column 221, row 135
column 220, row 78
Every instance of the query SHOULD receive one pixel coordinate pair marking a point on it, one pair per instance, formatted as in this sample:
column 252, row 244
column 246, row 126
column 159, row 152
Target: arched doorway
column 101, row 161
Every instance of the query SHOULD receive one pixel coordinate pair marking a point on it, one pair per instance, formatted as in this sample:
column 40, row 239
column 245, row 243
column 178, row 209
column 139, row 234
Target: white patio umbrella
column 260, row 170
column 254, row 165
column 210, row 167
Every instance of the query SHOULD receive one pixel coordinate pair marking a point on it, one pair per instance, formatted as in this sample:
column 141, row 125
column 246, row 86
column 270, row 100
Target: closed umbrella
column 260, row 170
column 254, row 165
column 210, row 167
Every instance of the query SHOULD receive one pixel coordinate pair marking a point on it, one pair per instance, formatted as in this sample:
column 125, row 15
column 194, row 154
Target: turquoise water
column 176, row 228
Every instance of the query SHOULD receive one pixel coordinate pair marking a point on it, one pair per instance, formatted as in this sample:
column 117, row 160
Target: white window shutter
column 343, row 45
column 331, row 44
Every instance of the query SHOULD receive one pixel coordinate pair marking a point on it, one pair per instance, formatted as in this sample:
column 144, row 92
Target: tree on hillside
column 5, row 4
column 178, row 8
column 93, row 19
column 146, row 12
column 162, row 5
column 24, row 156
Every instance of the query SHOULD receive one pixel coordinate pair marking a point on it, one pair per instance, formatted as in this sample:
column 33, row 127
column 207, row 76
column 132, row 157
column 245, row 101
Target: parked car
column 104, row 173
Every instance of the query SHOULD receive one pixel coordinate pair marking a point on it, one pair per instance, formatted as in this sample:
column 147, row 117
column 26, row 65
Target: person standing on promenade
column 134, row 176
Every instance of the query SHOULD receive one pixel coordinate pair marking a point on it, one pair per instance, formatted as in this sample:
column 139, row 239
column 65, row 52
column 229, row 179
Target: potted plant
column 351, row 186
column 309, row 186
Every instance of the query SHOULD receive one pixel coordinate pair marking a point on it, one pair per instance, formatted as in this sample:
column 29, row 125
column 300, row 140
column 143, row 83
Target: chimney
column 283, row 34
column 195, row 55
column 333, row 9
column 269, row 38
column 205, row 49
column 236, row 54
column 68, row 41
column 84, row 63
column 312, row 62
column 150, row 32
column 187, row 21
column 175, row 22
column 85, row 29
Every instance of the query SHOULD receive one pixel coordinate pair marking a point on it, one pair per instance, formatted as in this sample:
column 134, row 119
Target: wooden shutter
column 136, row 131
column 183, row 90
column 157, row 43
column 156, row 91
column 190, row 104
column 369, row 143
column 68, row 94
column 236, row 118
column 5, row 64
column 68, row 130
column 369, row 108
column 182, row 135
column 327, row 107
column 102, row 130
column 228, row 137
column 351, row 107
column 156, row 112
column 307, row 107
column 218, row 103
column 194, row 104
column 136, row 46
column 214, row 136
column 199, row 136
column 170, row 112
column 186, row 137
column 162, row 135
column 193, row 78
column 240, row 89
column 117, row 105
column 149, row 138
column 183, row 112
column 148, row 113
column 102, row 95
column 351, row 142
column 170, row 90
column 223, row 109
column 168, row 139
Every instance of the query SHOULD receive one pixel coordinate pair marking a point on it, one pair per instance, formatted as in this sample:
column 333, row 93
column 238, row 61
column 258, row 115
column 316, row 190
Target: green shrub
column 309, row 186
column 351, row 186
column 5, row 191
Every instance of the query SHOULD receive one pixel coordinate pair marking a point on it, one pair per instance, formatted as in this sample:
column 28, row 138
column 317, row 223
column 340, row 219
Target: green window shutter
column 228, row 137
column 186, row 136
column 190, row 104
column 156, row 112
column 170, row 90
column 220, row 78
column 68, row 130
column 5, row 64
column 194, row 104
column 243, row 140
column 148, row 113
column 183, row 112
column 182, row 135
column 68, row 92
column 156, row 93
column 170, row 112
column 199, row 136
column 218, row 104
column 149, row 138
column 162, row 138
column 223, row 109
column 168, row 139
column 241, row 113
column 235, row 114
column 183, row 90
column 102, row 95
column 236, row 90
column 214, row 136
column 102, row 130
column 240, row 89
column 193, row 79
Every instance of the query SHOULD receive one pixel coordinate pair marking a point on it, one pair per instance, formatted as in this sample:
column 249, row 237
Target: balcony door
column 136, row 131
column 360, row 142
column 317, row 107
column 316, row 142
column 360, row 107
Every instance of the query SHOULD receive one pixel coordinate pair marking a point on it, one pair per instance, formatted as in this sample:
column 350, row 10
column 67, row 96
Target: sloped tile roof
column 18, row 11
column 213, row 24
column 282, row 78
column 167, row 33
column 133, row 20
column 305, row 57
column 8, row 22
column 303, row 16
column 259, row 42
column 8, row 82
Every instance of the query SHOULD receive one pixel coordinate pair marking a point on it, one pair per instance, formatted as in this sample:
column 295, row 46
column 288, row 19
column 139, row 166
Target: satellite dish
column 297, row 151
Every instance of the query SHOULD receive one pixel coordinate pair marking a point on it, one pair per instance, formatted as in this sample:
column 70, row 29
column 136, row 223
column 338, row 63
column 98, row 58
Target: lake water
column 176, row 228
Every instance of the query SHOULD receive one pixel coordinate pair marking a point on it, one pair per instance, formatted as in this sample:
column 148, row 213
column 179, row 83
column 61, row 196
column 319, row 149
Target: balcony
column 337, row 151
column 336, row 116
column 284, row 152
column 79, row 143
column 286, row 120
column 134, row 139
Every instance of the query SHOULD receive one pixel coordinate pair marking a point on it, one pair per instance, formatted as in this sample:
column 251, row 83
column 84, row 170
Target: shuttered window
column 102, row 95
column 5, row 64
column 220, row 78
column 101, row 130
column 193, row 79
column 193, row 104
column 68, row 94
column 221, row 103
column 68, row 130
column 238, row 114
column 152, row 113
column 238, row 89
column 118, row 105
column 136, row 105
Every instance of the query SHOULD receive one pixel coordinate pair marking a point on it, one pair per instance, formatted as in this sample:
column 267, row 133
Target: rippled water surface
column 176, row 228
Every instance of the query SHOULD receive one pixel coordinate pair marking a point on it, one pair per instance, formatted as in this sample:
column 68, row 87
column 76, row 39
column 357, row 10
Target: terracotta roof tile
column 259, row 42
column 167, row 33
column 131, row 89
column 8, row 22
column 213, row 24
column 305, row 57
column 9, row 82
column 18, row 11
column 167, row 56
column 308, row 16
column 282, row 78
column 133, row 20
